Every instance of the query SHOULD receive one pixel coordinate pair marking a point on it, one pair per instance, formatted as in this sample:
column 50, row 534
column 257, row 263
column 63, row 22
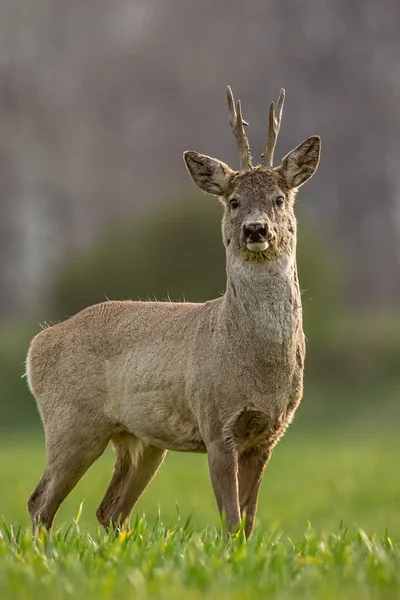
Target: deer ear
column 211, row 175
column 301, row 163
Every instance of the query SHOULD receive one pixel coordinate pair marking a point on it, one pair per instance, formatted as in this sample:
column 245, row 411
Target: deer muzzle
column 256, row 236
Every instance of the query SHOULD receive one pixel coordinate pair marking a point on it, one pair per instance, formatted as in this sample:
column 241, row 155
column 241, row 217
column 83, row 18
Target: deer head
column 258, row 223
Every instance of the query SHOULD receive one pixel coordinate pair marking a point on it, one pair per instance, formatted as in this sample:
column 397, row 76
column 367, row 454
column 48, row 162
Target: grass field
column 328, row 527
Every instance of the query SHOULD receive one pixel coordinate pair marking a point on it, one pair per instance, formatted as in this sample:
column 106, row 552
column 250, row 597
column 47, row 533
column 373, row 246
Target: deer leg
column 36, row 498
column 68, row 458
column 129, row 480
column 223, row 464
column 251, row 469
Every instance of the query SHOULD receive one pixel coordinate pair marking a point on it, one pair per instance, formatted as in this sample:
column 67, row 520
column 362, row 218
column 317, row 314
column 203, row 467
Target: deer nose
column 255, row 232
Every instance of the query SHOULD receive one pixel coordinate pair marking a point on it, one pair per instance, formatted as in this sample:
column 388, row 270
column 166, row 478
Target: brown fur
column 223, row 377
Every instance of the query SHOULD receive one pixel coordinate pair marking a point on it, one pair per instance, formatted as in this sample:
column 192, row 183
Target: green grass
column 328, row 527
column 181, row 562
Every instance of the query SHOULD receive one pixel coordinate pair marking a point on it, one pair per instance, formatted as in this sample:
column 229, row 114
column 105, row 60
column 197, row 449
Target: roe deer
column 223, row 377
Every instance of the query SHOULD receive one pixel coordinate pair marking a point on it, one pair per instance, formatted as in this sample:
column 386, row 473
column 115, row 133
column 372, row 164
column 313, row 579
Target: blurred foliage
column 177, row 253
column 16, row 404
column 174, row 253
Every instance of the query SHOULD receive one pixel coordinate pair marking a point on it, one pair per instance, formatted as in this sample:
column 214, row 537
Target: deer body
column 222, row 377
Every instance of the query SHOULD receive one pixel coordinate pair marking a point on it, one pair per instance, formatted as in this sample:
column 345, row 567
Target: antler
column 237, row 123
column 275, row 117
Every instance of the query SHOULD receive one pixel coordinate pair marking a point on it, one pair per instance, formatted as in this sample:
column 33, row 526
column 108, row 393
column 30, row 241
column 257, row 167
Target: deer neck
column 263, row 300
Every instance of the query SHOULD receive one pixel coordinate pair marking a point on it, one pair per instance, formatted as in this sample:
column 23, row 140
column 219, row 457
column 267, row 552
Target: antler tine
column 237, row 123
column 275, row 118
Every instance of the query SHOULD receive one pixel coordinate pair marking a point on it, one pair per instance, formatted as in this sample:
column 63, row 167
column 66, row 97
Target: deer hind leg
column 135, row 466
column 37, row 497
column 70, row 453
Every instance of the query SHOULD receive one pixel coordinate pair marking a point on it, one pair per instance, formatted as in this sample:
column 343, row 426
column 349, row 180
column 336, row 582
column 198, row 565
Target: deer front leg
column 223, row 463
column 251, row 470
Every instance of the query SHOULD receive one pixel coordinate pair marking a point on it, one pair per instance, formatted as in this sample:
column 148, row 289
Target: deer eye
column 279, row 200
column 234, row 203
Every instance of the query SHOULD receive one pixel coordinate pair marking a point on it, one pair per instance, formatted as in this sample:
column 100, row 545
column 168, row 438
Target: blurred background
column 99, row 99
